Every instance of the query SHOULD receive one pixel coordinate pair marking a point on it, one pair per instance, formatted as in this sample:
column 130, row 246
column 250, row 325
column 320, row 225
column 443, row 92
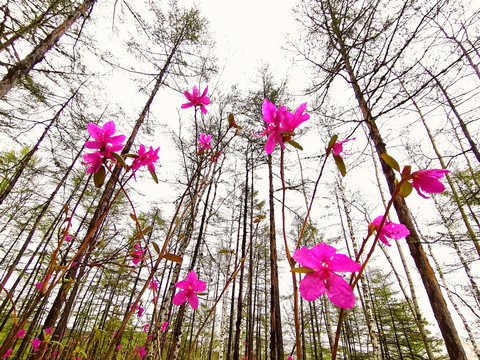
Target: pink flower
column 145, row 158
column 323, row 259
column 427, row 180
column 164, row 326
column 153, row 285
column 145, row 327
column 39, row 285
column 289, row 357
column 280, row 124
column 390, row 230
column 195, row 100
column 104, row 139
column 292, row 121
column 137, row 255
column 49, row 331
column 119, row 347
column 20, row 334
column 68, row 238
column 35, row 344
column 7, row 353
column 190, row 287
column 93, row 161
column 338, row 148
column 142, row 352
column 204, row 141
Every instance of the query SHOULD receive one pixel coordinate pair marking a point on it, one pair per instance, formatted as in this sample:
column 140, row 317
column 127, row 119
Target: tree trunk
column 24, row 66
column 276, row 340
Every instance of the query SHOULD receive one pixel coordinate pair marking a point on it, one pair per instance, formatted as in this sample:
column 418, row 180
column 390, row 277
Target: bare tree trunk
column 276, row 340
column 24, row 66
column 439, row 306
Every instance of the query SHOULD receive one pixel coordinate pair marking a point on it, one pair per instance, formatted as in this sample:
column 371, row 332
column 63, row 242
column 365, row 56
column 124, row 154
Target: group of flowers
column 322, row 261
column 107, row 144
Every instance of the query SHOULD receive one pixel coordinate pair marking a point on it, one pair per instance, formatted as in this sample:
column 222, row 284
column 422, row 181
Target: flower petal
column 192, row 300
column 180, row 298
column 342, row 263
column 340, row 293
column 312, row 286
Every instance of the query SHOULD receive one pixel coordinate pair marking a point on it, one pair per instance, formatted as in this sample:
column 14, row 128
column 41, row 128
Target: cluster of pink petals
column 139, row 308
column 137, row 256
column 35, row 344
column 280, row 124
column 338, row 148
column 427, row 180
column 7, row 353
column 195, row 99
column 20, row 333
column 153, row 285
column 389, row 230
column 145, row 158
column 190, row 288
column 49, row 331
column 145, row 327
column 141, row 351
column 164, row 326
column 105, row 143
column 204, row 141
column 323, row 259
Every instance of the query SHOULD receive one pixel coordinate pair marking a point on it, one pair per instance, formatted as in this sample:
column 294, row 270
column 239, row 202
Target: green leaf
column 97, row 335
column 390, row 161
column 295, row 144
column 224, row 251
column 332, row 141
column 405, row 189
column 119, row 160
column 172, row 257
column 154, row 176
column 57, row 343
column 99, row 177
column 155, row 246
column 340, row 164
column 302, row 270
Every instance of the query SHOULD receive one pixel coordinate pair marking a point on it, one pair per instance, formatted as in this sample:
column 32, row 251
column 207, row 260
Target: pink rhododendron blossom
column 204, row 141
column 20, row 334
column 93, row 161
column 338, row 148
column 280, row 124
column 145, row 327
column 68, row 238
column 427, row 180
column 39, row 285
column 119, row 347
column 164, row 326
column 190, row 287
column 49, row 331
column 292, row 121
column 153, row 285
column 142, row 352
column 104, row 141
column 145, row 158
column 7, row 353
column 195, row 100
column 390, row 230
column 137, row 255
column 139, row 308
column 323, row 259
column 35, row 344
column 289, row 357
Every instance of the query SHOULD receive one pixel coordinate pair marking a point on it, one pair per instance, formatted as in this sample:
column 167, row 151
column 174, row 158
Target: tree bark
column 24, row 66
